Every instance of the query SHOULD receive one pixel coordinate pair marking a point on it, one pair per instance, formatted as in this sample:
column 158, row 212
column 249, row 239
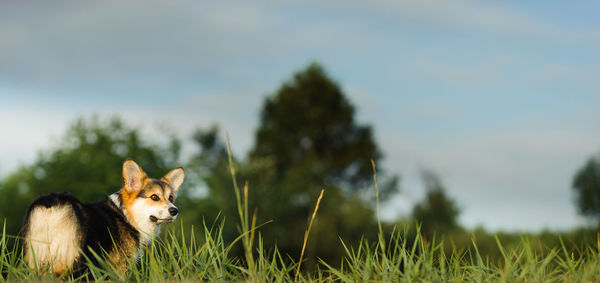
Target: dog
column 60, row 232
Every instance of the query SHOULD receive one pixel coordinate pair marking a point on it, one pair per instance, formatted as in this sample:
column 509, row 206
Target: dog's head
column 148, row 202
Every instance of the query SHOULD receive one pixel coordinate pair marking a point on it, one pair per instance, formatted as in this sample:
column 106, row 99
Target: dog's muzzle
column 160, row 220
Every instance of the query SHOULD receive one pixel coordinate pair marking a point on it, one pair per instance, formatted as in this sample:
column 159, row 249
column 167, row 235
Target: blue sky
column 500, row 98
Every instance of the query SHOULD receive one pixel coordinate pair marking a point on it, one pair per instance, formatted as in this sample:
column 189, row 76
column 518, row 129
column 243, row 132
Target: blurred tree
column 586, row 184
column 87, row 163
column 307, row 140
column 287, row 202
column 210, row 168
column 437, row 213
column 310, row 124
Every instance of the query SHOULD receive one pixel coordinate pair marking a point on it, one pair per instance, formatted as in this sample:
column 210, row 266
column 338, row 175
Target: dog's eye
column 171, row 198
column 154, row 198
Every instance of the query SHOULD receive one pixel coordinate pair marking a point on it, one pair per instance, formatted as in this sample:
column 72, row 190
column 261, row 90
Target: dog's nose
column 173, row 211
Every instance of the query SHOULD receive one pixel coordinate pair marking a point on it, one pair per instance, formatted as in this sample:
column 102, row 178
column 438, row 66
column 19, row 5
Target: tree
column 437, row 213
column 309, row 123
column 307, row 140
column 209, row 167
column 87, row 163
column 586, row 184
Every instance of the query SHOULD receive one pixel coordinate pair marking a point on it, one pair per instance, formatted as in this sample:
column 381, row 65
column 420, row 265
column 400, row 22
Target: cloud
column 27, row 130
column 95, row 43
column 497, row 174
column 492, row 18
column 34, row 125
column 129, row 47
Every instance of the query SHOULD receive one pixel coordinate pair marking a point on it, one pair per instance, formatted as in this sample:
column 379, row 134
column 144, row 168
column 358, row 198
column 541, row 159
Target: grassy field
column 181, row 254
column 184, row 256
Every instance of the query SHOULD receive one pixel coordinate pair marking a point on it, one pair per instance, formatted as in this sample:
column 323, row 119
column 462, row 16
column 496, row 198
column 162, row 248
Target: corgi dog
column 59, row 230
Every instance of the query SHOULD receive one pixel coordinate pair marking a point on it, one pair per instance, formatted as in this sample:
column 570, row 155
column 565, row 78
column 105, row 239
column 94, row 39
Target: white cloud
column 499, row 174
column 95, row 43
column 158, row 42
column 33, row 125
column 493, row 18
column 27, row 130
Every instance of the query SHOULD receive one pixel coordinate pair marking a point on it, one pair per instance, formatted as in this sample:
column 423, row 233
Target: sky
column 500, row 98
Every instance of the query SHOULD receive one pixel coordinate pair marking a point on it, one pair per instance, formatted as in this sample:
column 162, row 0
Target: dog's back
column 53, row 232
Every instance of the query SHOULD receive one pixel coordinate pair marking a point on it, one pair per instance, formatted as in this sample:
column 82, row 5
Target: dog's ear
column 174, row 178
column 133, row 176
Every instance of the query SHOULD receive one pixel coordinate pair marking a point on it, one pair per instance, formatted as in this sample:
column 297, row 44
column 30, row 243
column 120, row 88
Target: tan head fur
column 148, row 202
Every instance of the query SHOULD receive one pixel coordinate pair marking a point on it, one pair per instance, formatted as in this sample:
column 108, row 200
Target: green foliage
column 437, row 213
column 309, row 124
column 307, row 140
column 586, row 184
column 285, row 204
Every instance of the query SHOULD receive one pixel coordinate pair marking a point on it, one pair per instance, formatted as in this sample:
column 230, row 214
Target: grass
column 185, row 255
